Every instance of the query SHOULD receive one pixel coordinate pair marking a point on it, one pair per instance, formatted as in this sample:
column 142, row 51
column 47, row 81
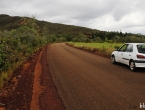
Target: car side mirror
column 117, row 49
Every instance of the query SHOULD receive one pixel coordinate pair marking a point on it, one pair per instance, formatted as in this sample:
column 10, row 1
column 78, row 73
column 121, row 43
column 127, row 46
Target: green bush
column 18, row 44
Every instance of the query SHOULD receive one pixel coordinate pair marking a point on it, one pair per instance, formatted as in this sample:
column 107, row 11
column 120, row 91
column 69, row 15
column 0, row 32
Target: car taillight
column 140, row 56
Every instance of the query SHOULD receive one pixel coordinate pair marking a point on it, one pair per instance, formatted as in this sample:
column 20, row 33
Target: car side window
column 129, row 48
column 123, row 48
column 141, row 48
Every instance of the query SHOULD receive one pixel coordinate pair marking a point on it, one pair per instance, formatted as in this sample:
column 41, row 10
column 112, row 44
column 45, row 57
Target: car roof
column 136, row 43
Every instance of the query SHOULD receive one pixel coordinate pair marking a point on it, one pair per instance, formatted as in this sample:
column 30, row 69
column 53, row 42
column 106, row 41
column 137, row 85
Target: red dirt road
column 60, row 77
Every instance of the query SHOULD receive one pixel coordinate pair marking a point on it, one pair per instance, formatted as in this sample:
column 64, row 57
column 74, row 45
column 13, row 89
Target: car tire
column 113, row 59
column 132, row 66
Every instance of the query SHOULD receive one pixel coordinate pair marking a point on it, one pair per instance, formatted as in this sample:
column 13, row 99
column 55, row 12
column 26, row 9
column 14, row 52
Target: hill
column 12, row 22
column 8, row 22
column 70, row 32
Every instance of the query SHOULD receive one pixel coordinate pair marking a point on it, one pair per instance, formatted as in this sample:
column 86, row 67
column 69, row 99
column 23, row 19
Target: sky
column 105, row 15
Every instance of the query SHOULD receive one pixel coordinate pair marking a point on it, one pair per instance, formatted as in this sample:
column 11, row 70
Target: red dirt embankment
column 31, row 86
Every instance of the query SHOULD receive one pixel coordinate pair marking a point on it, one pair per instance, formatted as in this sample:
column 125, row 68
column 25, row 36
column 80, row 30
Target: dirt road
column 59, row 77
column 86, row 81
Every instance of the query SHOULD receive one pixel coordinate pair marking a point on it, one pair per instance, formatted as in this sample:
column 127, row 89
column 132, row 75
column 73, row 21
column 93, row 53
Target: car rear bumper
column 139, row 61
column 142, row 65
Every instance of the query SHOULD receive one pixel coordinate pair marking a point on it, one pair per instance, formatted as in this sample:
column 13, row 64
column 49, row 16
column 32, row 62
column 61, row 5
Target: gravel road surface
column 86, row 81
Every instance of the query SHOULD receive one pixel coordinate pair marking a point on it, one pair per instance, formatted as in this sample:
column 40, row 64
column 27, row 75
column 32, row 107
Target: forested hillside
column 59, row 30
column 62, row 32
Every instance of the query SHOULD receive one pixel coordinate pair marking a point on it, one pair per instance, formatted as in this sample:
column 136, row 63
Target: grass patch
column 3, row 79
column 96, row 45
column 104, row 48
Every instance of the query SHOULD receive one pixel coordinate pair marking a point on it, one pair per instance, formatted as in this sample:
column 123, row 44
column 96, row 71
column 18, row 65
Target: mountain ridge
column 8, row 22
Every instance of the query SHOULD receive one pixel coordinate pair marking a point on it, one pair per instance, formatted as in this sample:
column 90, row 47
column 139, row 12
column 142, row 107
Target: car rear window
column 141, row 48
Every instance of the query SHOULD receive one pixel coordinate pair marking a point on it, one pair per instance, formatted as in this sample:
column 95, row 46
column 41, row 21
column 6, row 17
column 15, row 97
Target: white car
column 131, row 54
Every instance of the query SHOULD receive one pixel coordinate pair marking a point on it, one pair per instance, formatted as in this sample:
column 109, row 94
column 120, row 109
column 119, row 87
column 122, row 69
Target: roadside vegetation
column 20, row 37
column 103, row 48
column 18, row 45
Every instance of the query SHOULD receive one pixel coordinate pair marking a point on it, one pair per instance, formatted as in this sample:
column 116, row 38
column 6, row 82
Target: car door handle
column 122, row 54
column 129, row 55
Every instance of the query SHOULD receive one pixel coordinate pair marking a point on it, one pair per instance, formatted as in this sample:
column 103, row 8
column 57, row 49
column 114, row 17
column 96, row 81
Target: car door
column 126, row 56
column 120, row 52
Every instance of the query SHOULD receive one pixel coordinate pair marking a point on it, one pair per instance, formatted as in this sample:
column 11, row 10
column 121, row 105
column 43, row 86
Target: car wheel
column 132, row 66
column 113, row 60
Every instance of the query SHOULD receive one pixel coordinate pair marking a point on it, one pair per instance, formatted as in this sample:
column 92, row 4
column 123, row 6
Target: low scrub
column 100, row 48
column 15, row 47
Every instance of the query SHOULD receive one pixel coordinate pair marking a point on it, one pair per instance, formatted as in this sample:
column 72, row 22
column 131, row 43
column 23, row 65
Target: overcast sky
column 108, row 15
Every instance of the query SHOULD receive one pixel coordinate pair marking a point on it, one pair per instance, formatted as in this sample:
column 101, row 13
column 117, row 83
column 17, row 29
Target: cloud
column 108, row 15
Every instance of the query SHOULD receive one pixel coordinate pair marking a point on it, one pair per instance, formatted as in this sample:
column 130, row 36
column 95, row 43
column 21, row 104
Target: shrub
column 3, row 79
column 16, row 45
column 116, row 47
